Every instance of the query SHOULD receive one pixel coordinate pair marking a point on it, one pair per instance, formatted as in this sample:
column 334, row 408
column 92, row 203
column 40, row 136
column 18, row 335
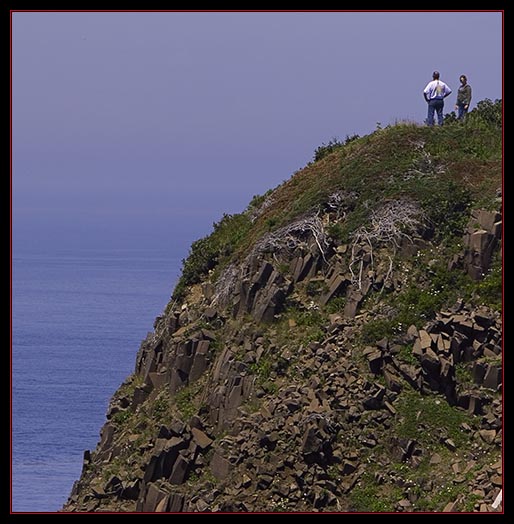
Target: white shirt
column 436, row 90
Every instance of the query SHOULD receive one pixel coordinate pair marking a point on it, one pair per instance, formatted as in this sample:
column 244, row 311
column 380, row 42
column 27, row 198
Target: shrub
column 488, row 112
column 490, row 289
column 406, row 355
column 206, row 253
column 262, row 368
column 121, row 417
column 258, row 200
column 437, row 287
column 185, row 400
column 309, row 318
column 325, row 149
column 446, row 205
column 161, row 408
column 336, row 305
column 422, row 416
column 337, row 232
column 377, row 329
column 367, row 495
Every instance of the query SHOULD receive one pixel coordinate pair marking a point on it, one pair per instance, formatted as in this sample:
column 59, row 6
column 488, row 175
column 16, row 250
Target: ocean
column 78, row 319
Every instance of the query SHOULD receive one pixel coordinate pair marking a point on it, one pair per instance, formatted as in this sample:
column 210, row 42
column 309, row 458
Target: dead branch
column 426, row 165
column 389, row 271
column 339, row 203
column 290, row 237
column 285, row 240
column 394, row 221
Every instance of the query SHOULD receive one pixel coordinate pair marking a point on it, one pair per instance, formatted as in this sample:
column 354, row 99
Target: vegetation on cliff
column 334, row 347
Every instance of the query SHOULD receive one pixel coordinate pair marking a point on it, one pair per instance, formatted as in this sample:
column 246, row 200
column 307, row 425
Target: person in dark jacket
column 463, row 97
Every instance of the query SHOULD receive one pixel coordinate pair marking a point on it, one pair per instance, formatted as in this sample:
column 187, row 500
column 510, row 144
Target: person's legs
column 430, row 116
column 439, row 109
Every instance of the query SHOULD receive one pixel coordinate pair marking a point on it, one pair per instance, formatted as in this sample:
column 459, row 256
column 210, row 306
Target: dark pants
column 461, row 111
column 435, row 105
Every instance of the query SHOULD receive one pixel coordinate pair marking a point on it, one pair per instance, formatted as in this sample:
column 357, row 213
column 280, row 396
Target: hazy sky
column 143, row 128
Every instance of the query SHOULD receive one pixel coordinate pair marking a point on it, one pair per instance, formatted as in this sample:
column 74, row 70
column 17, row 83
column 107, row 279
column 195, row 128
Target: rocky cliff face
column 345, row 357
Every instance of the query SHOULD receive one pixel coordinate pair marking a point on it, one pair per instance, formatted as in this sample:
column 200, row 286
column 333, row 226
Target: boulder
column 262, row 276
column 493, row 377
column 487, row 435
column 106, row 434
column 152, row 498
column 200, row 438
column 336, row 285
column 268, row 304
column 479, row 371
column 488, row 219
column 354, row 298
column 374, row 358
column 304, row 266
column 425, row 340
column 139, row 396
column 200, row 360
column 220, row 466
column 158, row 380
column 430, row 363
column 392, row 381
column 131, row 490
column 179, row 471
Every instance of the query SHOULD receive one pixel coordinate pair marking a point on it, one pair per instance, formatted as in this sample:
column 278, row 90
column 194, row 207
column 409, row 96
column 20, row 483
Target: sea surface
column 78, row 319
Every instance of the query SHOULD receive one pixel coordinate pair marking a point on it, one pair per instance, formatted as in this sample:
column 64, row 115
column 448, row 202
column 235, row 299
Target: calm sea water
column 78, row 320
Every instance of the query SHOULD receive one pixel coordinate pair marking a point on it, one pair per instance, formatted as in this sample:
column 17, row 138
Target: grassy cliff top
column 445, row 169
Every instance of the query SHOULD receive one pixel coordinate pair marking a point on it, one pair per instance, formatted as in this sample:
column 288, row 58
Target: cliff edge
column 335, row 347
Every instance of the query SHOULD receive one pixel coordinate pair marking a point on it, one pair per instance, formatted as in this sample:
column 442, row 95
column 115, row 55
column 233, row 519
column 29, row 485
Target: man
column 435, row 93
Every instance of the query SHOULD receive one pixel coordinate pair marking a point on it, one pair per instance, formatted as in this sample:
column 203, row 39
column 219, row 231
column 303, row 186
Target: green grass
column 471, row 500
column 309, row 318
column 372, row 169
column 161, row 411
column 129, row 386
column 335, row 305
column 490, row 290
column 375, row 330
column 446, row 492
column 368, row 496
column 121, row 417
column 186, row 400
column 405, row 355
column 463, row 373
column 432, row 287
column 309, row 325
column 424, row 418
column 262, row 369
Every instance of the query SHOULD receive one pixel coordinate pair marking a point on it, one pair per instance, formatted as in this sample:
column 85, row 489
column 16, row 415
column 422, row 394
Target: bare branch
column 389, row 271
column 390, row 224
column 285, row 240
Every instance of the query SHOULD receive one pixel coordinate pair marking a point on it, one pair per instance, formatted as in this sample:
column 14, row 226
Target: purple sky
column 141, row 129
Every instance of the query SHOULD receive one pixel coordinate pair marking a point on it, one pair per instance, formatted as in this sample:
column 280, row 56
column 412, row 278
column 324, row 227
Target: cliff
column 335, row 347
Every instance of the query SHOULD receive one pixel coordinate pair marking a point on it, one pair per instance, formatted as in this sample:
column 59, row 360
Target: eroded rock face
column 225, row 412
column 480, row 240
